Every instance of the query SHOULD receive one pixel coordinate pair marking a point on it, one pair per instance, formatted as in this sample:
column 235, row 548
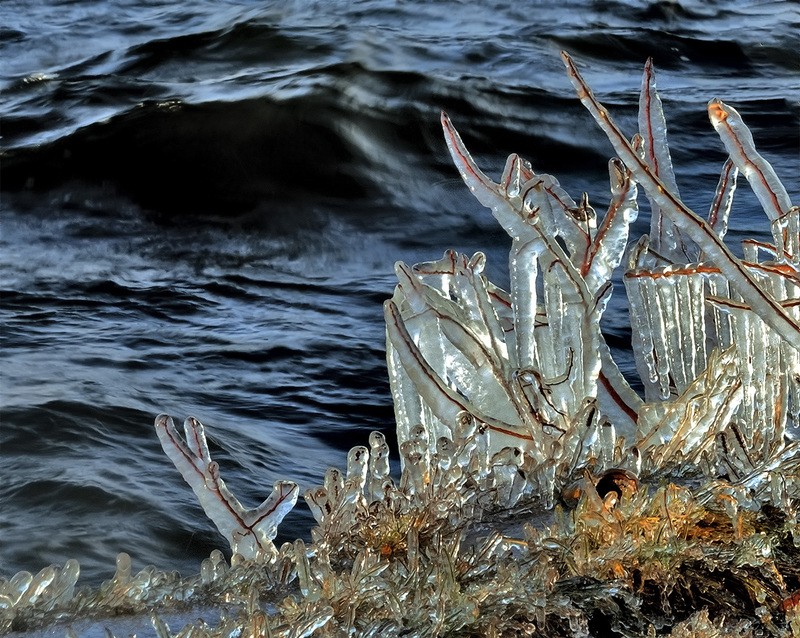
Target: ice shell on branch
column 249, row 532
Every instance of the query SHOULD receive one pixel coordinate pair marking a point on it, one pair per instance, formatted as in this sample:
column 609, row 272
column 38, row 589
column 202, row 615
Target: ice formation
column 249, row 532
column 539, row 492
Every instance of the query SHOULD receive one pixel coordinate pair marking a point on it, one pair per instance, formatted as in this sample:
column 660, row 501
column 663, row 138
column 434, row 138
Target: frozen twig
column 249, row 531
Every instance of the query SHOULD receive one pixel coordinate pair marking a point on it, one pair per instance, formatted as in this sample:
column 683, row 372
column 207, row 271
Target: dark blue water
column 202, row 202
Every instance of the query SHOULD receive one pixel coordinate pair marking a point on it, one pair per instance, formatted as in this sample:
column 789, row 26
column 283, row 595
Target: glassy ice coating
column 539, row 493
column 249, row 532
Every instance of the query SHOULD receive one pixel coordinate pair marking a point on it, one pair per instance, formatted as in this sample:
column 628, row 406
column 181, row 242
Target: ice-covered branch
column 249, row 531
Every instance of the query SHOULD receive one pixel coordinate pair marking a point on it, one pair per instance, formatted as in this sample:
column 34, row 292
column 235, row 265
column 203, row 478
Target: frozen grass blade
column 759, row 173
column 666, row 237
column 484, row 189
column 608, row 243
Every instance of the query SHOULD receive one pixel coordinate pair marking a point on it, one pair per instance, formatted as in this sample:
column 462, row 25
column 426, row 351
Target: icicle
column 723, row 199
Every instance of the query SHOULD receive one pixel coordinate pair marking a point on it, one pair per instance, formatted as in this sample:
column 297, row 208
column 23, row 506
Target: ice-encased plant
column 539, row 493
column 717, row 341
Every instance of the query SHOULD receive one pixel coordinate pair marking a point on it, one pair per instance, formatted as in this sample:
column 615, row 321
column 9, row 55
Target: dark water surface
column 202, row 203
